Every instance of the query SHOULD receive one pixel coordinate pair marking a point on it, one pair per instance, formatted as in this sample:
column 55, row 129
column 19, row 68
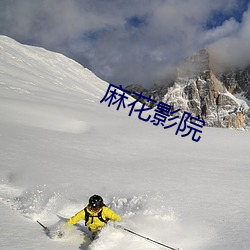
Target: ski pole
column 146, row 238
column 45, row 228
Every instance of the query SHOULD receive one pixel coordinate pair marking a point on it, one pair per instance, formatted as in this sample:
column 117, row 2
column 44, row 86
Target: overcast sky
column 131, row 41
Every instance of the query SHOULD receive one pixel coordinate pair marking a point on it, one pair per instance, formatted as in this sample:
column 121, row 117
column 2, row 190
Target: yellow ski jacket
column 94, row 223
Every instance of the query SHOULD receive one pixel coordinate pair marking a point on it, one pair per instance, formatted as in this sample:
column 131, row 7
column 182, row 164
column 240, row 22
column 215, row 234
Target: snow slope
column 59, row 145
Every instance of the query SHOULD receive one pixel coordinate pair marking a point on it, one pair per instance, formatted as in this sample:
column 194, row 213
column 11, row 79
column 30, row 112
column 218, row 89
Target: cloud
column 121, row 41
column 228, row 28
column 233, row 49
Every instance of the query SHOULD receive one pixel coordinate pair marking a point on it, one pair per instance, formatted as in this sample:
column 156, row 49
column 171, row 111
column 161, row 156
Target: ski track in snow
column 145, row 214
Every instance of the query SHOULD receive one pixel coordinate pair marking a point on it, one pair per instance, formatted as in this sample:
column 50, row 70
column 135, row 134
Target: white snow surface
column 60, row 145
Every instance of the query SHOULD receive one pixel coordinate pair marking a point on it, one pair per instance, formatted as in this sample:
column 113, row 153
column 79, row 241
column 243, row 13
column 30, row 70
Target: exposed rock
column 135, row 88
column 237, row 81
column 199, row 91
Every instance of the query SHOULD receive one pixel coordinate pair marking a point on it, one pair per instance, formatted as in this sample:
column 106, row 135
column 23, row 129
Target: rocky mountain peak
column 201, row 92
column 198, row 90
column 197, row 64
column 237, row 81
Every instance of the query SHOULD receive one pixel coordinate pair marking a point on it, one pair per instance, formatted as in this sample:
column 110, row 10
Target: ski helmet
column 95, row 202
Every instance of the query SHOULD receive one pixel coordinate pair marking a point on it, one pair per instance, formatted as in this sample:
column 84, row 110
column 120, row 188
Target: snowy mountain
column 221, row 99
column 237, row 82
column 198, row 90
column 60, row 145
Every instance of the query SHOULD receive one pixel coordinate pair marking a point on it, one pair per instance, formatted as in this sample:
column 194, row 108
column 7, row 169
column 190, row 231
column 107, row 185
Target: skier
column 95, row 214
